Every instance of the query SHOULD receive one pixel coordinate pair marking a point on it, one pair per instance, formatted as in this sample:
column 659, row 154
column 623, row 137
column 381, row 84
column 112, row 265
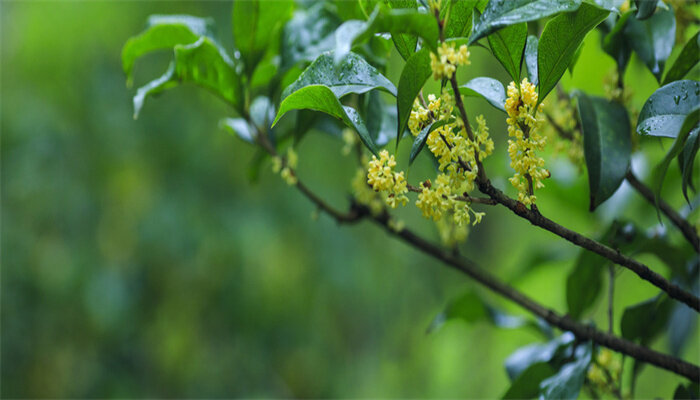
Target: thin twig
column 537, row 219
column 688, row 231
column 611, row 297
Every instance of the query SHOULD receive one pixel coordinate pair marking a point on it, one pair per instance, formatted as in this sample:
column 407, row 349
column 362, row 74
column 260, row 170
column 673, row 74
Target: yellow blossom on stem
column 447, row 60
column 523, row 126
column 382, row 178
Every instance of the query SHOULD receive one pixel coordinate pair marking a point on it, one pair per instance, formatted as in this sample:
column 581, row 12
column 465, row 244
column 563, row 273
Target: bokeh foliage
column 138, row 260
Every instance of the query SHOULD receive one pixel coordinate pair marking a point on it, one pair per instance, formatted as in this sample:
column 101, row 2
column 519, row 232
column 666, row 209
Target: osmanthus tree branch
column 469, row 268
column 644, row 272
column 536, row 218
column 466, row 266
column 688, row 231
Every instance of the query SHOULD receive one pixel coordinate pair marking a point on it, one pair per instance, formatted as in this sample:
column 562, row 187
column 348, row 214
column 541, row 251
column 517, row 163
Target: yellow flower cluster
column 382, row 178
column 605, row 371
column 523, row 126
column 447, row 60
column 442, row 199
column 285, row 168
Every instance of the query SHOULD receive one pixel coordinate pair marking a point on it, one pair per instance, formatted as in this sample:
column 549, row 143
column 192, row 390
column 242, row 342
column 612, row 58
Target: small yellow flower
column 382, row 178
column 447, row 60
column 523, row 126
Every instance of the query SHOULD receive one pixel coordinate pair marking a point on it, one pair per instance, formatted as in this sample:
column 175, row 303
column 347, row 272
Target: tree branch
column 688, row 231
column 537, row 219
column 468, row 267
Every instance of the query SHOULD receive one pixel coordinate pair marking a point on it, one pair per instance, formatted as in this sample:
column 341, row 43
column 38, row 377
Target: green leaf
column 615, row 43
column 206, row 64
column 524, row 357
column 262, row 112
column 559, row 41
column 488, row 88
column 203, row 63
column 653, row 39
column 405, row 44
column 527, row 385
column 471, row 308
column 239, row 127
column 413, row 76
column 567, row 382
column 308, row 34
column 384, row 20
column 353, row 75
column 531, row 59
column 502, row 13
column 665, row 110
column 686, row 160
column 584, row 283
column 689, row 57
column 165, row 81
column 688, row 391
column 322, row 98
column 508, row 45
column 645, row 8
column 459, row 23
column 162, row 32
column 645, row 320
column 255, row 24
column 607, row 145
column 689, row 124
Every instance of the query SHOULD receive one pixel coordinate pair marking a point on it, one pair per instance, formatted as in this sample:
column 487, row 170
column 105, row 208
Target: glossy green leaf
column 508, row 45
column 459, row 23
column 380, row 117
column 645, row 8
column 352, row 75
column 653, row 39
column 405, row 44
column 686, row 160
column 384, row 20
column 567, row 382
column 162, row 32
column 489, row 89
column 645, row 320
column 527, row 385
column 502, row 13
column 413, row 76
column 606, row 144
column 238, row 127
column 524, row 357
column 203, row 63
column 255, row 24
column 665, row 110
column 690, row 124
column 689, row 57
column 559, row 41
column 322, row 98
column 531, row 59
column 165, row 81
column 309, row 33
column 615, row 43
column 262, row 112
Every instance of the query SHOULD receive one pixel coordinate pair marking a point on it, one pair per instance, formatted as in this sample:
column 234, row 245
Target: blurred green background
column 138, row 260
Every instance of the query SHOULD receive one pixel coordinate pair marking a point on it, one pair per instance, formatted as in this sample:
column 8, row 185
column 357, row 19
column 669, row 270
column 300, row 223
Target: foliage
column 297, row 78
column 340, row 83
